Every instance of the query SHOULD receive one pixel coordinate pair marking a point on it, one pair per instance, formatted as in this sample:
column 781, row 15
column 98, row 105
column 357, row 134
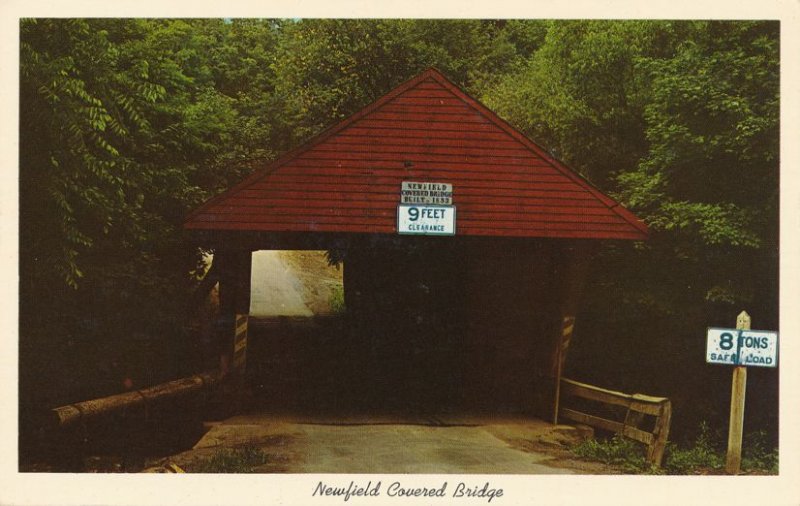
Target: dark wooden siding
column 348, row 178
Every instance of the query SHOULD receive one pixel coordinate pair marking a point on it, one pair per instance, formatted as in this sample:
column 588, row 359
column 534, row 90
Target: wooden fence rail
column 637, row 405
column 82, row 411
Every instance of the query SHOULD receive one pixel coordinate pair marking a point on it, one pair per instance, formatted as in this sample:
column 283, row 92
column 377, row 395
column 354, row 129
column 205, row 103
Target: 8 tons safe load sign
column 742, row 347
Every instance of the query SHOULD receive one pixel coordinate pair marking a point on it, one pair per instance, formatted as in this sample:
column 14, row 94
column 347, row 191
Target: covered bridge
column 464, row 243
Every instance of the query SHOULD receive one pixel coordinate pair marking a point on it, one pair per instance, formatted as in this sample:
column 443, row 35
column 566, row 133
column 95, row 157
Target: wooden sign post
column 733, row 460
column 741, row 348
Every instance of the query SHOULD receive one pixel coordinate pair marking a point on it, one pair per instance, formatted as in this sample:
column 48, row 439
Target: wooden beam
column 234, row 307
column 576, row 258
column 655, row 453
column 128, row 402
column 643, row 403
column 610, row 425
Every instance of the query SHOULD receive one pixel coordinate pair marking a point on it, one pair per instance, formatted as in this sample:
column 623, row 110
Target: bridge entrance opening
column 411, row 325
column 478, row 315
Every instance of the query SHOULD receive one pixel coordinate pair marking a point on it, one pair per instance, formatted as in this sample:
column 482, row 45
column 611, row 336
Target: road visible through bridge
column 275, row 289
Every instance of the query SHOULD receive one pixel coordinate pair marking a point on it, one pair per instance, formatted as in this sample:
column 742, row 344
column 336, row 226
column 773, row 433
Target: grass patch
column 756, row 456
column 706, row 455
column 238, row 460
column 702, row 456
column 617, row 451
column 337, row 299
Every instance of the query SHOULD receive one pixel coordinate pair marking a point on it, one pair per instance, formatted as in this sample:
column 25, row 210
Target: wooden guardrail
column 636, row 405
column 82, row 411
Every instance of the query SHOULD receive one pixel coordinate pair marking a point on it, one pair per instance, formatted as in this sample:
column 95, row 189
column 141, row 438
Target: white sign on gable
column 742, row 347
column 426, row 193
column 426, row 219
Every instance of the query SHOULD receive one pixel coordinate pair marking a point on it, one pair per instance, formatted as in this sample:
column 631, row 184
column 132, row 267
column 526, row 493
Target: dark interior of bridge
column 428, row 329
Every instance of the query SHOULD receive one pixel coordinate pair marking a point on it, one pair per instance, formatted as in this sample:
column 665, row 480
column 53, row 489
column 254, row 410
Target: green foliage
column 238, row 460
column 712, row 127
column 617, row 451
column 337, row 299
column 707, row 454
column 580, row 96
column 757, row 455
column 712, row 122
column 126, row 128
column 327, row 69
column 703, row 454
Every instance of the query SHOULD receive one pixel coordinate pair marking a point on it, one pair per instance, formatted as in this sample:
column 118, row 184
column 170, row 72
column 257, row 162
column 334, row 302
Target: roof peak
column 449, row 137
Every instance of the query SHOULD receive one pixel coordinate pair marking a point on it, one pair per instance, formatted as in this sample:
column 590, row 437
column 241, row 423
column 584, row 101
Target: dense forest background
column 126, row 125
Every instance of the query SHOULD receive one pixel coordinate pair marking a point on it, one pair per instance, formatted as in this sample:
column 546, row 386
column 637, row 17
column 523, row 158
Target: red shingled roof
column 347, row 179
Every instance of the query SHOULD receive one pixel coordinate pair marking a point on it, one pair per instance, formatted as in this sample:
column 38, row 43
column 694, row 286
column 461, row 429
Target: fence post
column 577, row 258
column 733, row 460
column 655, row 452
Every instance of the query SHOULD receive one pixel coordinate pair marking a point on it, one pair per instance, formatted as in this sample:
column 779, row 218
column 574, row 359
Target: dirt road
column 276, row 290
